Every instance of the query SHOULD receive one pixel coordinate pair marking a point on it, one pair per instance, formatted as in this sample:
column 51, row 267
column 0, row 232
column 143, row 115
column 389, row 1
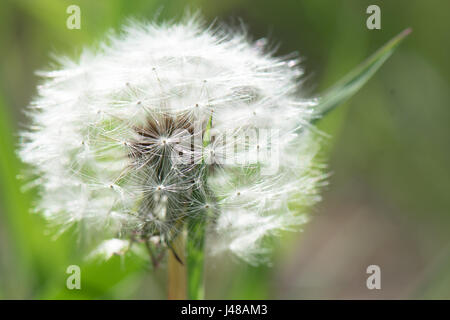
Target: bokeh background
column 388, row 200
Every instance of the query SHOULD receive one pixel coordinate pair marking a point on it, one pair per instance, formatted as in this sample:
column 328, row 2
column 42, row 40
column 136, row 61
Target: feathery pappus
column 166, row 122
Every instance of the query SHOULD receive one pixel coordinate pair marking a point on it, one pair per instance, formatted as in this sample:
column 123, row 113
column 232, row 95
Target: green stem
column 195, row 259
column 195, row 244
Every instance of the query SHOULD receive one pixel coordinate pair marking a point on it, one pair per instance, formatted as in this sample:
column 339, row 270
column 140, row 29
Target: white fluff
column 84, row 136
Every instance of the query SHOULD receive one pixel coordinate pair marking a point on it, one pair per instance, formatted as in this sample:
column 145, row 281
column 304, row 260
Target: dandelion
column 172, row 131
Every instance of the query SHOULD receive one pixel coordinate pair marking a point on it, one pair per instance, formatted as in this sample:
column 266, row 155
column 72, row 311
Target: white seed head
column 110, row 128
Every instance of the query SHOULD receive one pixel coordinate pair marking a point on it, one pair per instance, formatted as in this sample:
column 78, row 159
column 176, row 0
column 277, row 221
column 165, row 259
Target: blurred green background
column 388, row 201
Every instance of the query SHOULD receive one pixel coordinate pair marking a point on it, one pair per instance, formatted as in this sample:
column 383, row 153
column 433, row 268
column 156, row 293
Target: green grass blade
column 196, row 258
column 354, row 80
column 195, row 245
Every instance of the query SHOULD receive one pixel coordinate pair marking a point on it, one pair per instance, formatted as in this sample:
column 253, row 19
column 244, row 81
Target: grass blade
column 354, row 80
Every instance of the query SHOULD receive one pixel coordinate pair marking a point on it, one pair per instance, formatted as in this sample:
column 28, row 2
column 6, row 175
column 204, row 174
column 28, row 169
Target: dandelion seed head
column 109, row 130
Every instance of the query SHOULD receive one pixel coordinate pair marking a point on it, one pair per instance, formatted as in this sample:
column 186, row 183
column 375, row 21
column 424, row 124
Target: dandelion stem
column 177, row 281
